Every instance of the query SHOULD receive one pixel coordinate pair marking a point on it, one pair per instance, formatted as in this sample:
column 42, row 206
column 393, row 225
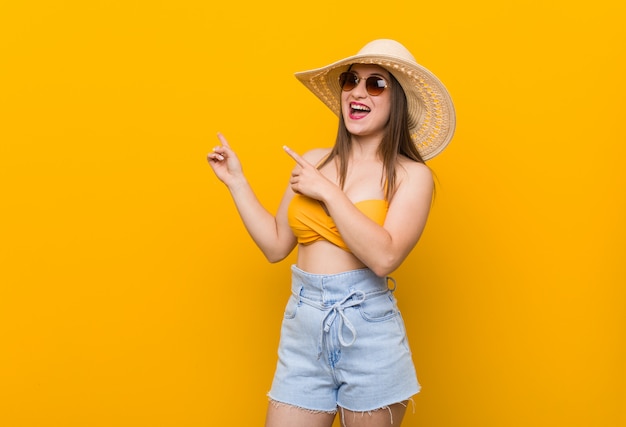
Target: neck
column 364, row 148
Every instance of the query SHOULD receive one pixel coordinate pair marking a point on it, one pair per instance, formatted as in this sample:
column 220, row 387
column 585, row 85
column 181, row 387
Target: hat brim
column 432, row 118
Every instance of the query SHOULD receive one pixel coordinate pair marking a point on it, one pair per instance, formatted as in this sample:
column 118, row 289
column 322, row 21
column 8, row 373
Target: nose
column 359, row 91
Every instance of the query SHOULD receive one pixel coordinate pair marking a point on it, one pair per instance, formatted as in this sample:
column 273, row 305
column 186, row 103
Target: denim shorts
column 342, row 343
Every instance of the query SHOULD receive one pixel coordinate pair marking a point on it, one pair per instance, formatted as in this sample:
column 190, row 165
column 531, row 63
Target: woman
column 355, row 212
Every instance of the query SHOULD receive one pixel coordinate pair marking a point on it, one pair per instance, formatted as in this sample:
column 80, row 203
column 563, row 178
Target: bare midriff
column 322, row 257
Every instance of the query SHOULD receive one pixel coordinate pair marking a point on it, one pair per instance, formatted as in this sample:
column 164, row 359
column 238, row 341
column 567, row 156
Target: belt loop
column 300, row 295
column 392, row 280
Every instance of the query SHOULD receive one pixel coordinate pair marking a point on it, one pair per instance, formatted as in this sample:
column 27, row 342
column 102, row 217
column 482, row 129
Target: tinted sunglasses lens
column 347, row 81
column 375, row 85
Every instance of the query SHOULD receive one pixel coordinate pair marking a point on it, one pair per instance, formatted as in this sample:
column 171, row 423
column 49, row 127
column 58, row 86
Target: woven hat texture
column 432, row 118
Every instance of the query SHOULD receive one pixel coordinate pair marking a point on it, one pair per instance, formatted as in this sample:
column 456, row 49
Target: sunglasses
column 375, row 85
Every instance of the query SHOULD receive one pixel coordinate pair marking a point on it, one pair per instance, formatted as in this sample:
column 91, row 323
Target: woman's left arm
column 382, row 249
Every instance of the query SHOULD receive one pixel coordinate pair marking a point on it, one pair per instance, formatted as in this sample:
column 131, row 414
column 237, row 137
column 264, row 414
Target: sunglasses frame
column 343, row 79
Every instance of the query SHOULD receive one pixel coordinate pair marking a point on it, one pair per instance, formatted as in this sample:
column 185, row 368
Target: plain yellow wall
column 130, row 294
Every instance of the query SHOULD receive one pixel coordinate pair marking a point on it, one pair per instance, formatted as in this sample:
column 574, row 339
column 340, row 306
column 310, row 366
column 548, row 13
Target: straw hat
column 431, row 111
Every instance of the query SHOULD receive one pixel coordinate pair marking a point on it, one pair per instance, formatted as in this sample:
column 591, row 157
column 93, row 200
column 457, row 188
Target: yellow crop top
column 310, row 222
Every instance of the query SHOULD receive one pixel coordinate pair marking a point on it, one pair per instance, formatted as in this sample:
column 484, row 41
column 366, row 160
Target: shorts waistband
column 327, row 289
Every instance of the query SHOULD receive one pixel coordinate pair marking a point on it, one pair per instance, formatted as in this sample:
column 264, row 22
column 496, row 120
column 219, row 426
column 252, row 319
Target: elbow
column 381, row 271
column 274, row 258
column 384, row 266
column 277, row 251
column 276, row 255
column 388, row 259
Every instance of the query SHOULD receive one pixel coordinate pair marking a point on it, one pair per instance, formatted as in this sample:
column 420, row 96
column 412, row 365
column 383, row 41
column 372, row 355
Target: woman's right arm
column 270, row 233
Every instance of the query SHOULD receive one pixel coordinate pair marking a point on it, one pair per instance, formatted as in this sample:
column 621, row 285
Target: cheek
column 384, row 110
column 344, row 98
column 345, row 105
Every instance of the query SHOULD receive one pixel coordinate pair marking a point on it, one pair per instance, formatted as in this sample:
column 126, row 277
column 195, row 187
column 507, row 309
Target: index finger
column 223, row 140
column 299, row 160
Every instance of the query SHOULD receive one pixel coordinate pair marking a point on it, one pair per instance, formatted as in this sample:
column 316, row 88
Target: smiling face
column 365, row 114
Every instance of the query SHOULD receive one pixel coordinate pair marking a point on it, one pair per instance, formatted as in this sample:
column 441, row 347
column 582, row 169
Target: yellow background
column 130, row 294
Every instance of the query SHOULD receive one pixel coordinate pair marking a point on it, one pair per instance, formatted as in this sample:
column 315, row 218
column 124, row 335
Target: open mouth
column 358, row 111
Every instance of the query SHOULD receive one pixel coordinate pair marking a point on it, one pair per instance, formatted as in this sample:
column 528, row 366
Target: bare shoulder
column 316, row 155
column 414, row 173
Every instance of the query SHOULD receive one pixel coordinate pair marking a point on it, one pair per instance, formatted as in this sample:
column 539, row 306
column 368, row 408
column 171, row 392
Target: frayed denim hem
column 387, row 407
column 404, row 403
column 279, row 404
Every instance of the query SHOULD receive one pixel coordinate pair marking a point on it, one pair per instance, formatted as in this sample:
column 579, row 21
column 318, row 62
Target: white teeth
column 359, row 107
